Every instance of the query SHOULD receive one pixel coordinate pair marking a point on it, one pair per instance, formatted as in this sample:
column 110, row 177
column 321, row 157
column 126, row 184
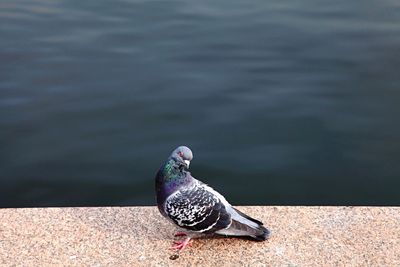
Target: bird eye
column 180, row 154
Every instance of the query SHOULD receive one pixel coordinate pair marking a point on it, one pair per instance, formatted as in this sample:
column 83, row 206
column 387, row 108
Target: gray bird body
column 196, row 207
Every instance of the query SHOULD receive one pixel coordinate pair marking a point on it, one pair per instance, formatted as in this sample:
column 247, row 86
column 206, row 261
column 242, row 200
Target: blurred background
column 282, row 102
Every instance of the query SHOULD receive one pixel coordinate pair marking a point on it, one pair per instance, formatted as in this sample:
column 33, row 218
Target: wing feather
column 197, row 209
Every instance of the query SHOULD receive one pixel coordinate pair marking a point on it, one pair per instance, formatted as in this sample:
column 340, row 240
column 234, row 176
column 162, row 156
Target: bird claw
column 181, row 245
column 180, row 242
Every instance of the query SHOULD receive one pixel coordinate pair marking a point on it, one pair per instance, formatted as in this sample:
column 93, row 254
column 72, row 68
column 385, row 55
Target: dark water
column 282, row 102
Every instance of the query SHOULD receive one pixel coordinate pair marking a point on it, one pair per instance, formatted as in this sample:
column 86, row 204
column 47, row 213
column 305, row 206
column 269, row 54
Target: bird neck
column 170, row 177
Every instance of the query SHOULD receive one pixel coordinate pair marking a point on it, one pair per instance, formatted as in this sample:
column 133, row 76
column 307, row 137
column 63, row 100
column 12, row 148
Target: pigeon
column 196, row 208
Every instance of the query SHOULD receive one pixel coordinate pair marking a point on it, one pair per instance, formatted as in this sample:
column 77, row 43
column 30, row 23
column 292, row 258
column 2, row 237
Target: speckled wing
column 197, row 209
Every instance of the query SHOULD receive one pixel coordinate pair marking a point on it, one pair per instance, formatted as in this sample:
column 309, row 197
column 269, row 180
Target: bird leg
column 182, row 244
column 180, row 234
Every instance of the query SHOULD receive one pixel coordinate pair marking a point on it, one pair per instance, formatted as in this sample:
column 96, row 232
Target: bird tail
column 244, row 225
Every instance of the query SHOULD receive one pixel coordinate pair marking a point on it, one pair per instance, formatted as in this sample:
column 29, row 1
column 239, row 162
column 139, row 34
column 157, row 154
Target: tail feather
column 247, row 216
column 264, row 235
column 260, row 233
column 244, row 225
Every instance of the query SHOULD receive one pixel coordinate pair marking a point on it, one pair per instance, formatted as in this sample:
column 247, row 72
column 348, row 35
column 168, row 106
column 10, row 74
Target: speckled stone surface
column 139, row 236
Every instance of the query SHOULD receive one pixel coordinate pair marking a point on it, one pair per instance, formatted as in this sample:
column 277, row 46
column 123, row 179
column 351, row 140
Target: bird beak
column 187, row 163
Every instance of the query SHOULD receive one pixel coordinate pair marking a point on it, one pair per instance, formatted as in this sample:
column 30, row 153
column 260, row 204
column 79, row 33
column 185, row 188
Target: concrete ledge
column 139, row 236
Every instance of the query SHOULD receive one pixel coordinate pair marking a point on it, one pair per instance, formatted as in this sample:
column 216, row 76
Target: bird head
column 183, row 155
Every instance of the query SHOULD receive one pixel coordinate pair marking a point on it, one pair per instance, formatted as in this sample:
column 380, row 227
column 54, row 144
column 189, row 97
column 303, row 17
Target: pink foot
column 181, row 245
column 180, row 234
